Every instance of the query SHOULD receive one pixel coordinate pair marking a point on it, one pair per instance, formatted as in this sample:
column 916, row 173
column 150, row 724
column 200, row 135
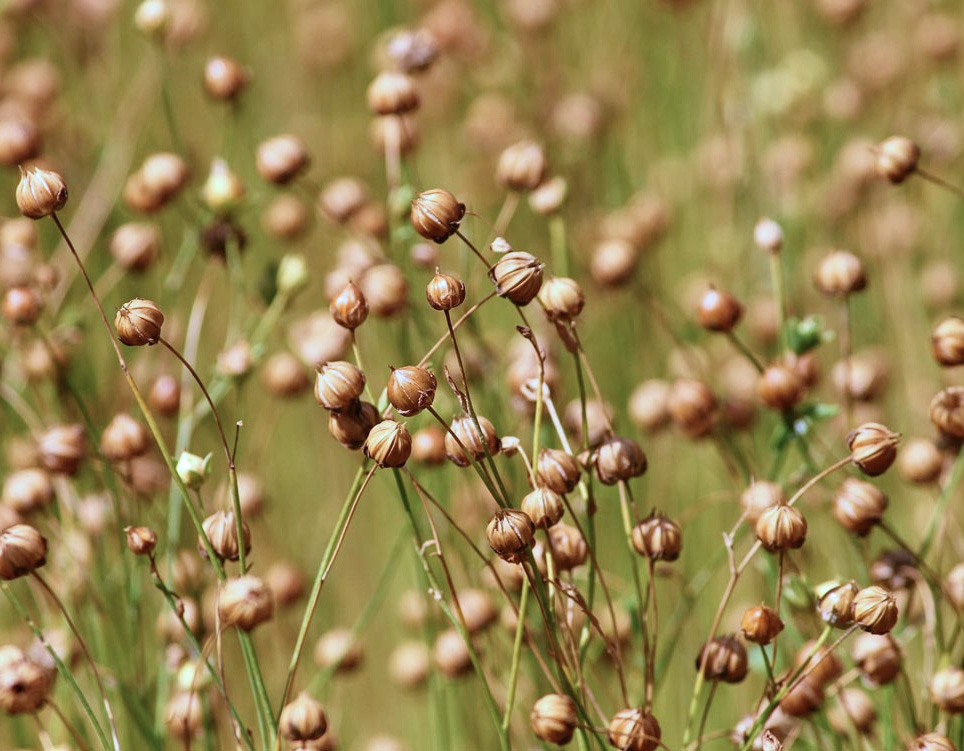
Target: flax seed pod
column 853, row 709
column 245, row 602
column 554, row 719
column 62, row 449
column 303, row 719
column 719, row 310
column 658, row 538
column 858, row 506
column 618, row 460
column 286, row 217
column 510, row 534
column 768, row 235
column 389, row 444
column 444, row 291
column 165, row 395
column 874, row 448
column 557, row 470
column 568, row 547
column 804, row 698
column 947, row 411
column 223, row 190
column 779, row 387
column 392, row 93
column 692, row 407
column 946, row 690
column 281, row 159
column 183, row 716
column 931, row 742
column 351, row 426
column 478, row 446
column 349, row 307
column 284, row 376
column 947, row 342
column 613, row 263
column 549, row 197
column 479, row 610
column 760, row 496
column 894, row 569
column 338, row 649
column 897, row 159
column 221, row 529
column 517, row 277
column 648, row 404
column 436, row 214
column 338, row 384
column 836, row 605
column 342, row 198
column 451, row 655
column 875, row 611
column 840, row 273
column 138, row 322
column 22, row 306
column 22, row 550
column 781, row 528
column 878, row 658
column 24, row 685
column 544, row 507
column 140, row 540
column 123, row 438
column 954, row 586
column 562, row 298
column 761, row 624
column 411, row 389
column 409, row 664
column 428, row 446
column 19, row 141
column 634, row 730
column 386, row 289
column 40, row 192
column 522, row 166
column 135, row 246
column 27, row 490
column 225, row 78
column 723, row 659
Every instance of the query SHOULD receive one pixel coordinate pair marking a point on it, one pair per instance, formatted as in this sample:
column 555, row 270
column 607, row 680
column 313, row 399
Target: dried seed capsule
column 338, row 384
column 649, row 404
column 768, row 235
column 946, row 690
column 821, row 664
column 436, row 214
column 221, row 529
column 510, row 533
column 389, row 444
column 283, row 375
column 562, row 298
column 24, row 684
column 613, row 263
column 22, row 550
column 478, row 609
column 779, row 387
column 544, row 507
column 163, row 175
column 19, row 141
column 22, row 306
column 557, row 471
column 282, row 158
column 931, row 742
column 285, row 217
column 522, row 166
column 875, row 610
column 411, row 389
column 947, row 342
column 947, row 411
column 723, row 659
column 465, row 430
column 62, row 449
column 135, row 245
column 619, row 459
column 804, row 698
column 658, row 538
column 140, row 540
column 351, row 426
column 165, row 395
column 224, row 78
column 719, row 310
column 894, row 569
column 183, row 716
column 392, row 93
column 342, row 198
column 567, row 546
column 692, row 407
column 27, row 490
column 954, row 586
column 761, row 624
column 874, row 448
column 897, row 159
column 428, row 446
column 349, row 307
column 303, row 719
column 40, row 192
column 634, row 730
column 858, row 505
column 840, row 273
column 554, row 719
column 549, row 197
column 124, row 438
column 409, row 664
column 451, row 655
column 245, row 602
column 836, row 605
column 760, row 496
column 340, row 649
column 781, row 528
column 517, row 277
column 853, row 710
column 444, row 291
column 878, row 657
column 139, row 322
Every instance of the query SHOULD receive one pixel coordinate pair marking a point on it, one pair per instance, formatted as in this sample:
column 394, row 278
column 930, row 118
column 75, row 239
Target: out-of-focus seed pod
column 779, row 387
column 479, row 610
column 477, row 446
column 162, row 176
column 618, row 460
column 522, row 166
column 165, row 395
column 342, row 198
column 225, row 78
column 24, row 685
column 351, row 426
column 386, row 289
column 221, row 530
column 349, row 307
column 897, row 159
column 251, row 494
column 450, row 654
column 338, row 384
column 549, row 197
column 544, row 507
column 338, row 648
column 223, row 189
column 875, row 611
column 123, row 438
column 862, row 377
column 183, row 716
column 22, row 306
column 281, row 159
column 804, row 698
column 931, row 742
column 947, row 342
column 821, row 664
column 19, row 141
column 428, row 446
column 562, row 298
column 237, row 360
column 510, row 533
column 692, row 407
column 557, row 470
column 858, row 505
column 768, row 235
column 135, row 245
column 780, row 528
column 284, row 376
column 568, row 547
column 658, row 538
column 286, row 582
column 954, row 586
column 840, row 273
column 436, row 214
column 444, row 291
column 613, row 263
column 22, row 550
column 760, row 624
column 874, row 448
column 389, row 444
column 634, row 729
column 760, row 496
column 410, row 50
column 302, row 719
column 719, row 310
column 408, row 665
column 40, row 192
column 554, row 719
column 62, row 448
column 723, row 659
column 946, row 688
column 140, row 540
column 878, row 658
column 894, row 569
column 285, row 217
column 517, row 277
column 411, row 389
column 836, row 605
column 139, row 322
column 649, row 404
column 392, row 93
column 245, row 602
column 852, row 710
column 947, row 411
column 27, row 490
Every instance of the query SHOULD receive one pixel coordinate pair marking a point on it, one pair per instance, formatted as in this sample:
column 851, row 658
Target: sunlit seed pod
column 557, row 471
column 338, row 649
column 135, row 245
column 341, row 199
column 236, row 361
column 338, row 384
column 411, row 390
column 649, row 404
column 858, row 506
column 223, row 189
column 22, row 306
column 897, row 159
column 874, row 448
column 878, row 658
column 22, row 550
column 162, row 176
column 634, row 729
column 946, row 689
column 544, row 506
column 760, row 624
column 282, row 158
column 27, row 490
column 245, row 602
column 388, row 444
column 719, row 310
column 554, row 719
column 225, row 78
column 221, row 529
column 549, row 197
column 760, row 496
column 284, row 376
column 946, row 411
column 613, row 263
column 768, row 235
column 138, row 322
column 618, row 460
column 723, row 659
column 351, row 426
column 562, row 298
column 451, row 655
column 658, row 538
column 23, row 683
column 140, row 540
column 470, row 440
column 444, row 291
column 409, row 664
column 428, row 446
column 517, row 277
column 692, row 407
column 836, row 605
column 804, row 698
column 779, row 387
column 410, row 50
column 302, row 719
column 511, row 534
column 349, row 307
column 386, row 289
column 40, row 192
column 436, row 214
column 931, row 742
column 875, row 610
column 781, row 528
column 478, row 609
column 286, row 217
column 947, row 342
column 62, row 448
column 522, row 166
column 165, row 395
column 567, row 546
column 840, row 273
column 392, row 93
column 124, row 438
column 286, row 582
column 853, row 710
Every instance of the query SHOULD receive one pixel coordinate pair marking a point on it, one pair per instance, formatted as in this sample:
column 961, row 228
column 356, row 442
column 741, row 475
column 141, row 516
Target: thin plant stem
column 455, row 326
column 930, row 177
column 745, row 351
column 475, row 250
column 516, row 655
column 509, row 206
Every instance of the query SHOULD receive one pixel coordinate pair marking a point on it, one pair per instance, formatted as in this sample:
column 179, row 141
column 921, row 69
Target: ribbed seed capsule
column 510, row 533
column 22, row 550
column 544, row 507
column 947, row 342
column 245, row 602
column 562, row 298
column 554, row 719
column 517, row 277
column 947, row 411
column 139, row 322
column 124, row 438
column 836, row 605
column 349, row 307
column 634, row 729
column 221, row 529
column 931, row 742
column 557, row 470
column 840, row 273
column 760, row 496
column 389, row 444
column 351, row 426
column 947, row 690
column 878, row 658
column 781, row 528
column 760, row 624
column 338, row 384
column 567, row 546
column 875, row 610
column 436, row 214
column 658, row 538
column 411, row 389
column 619, row 459
column 444, row 291
column 40, row 192
column 62, row 448
column 779, row 387
column 303, row 719
column 858, row 505
column 467, row 433
column 522, row 166
column 897, row 159
column 723, row 659
column 140, row 540
column 874, row 448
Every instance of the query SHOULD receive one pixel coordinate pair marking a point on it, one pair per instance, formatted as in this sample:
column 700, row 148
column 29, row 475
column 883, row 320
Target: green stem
column 516, row 654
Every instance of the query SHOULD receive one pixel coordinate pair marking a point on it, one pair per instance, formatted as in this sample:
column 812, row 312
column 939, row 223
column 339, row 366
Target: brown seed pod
column 852, row 710
column 124, row 438
column 140, row 540
column 283, row 375
column 649, row 404
column 554, row 719
column 302, row 719
column 162, row 176
column 719, row 310
column 351, row 426
column 286, row 581
column 947, row 342
column 451, row 655
column 658, row 538
column 522, row 166
column 338, row 384
column 479, row 610
column 224, row 78
column 779, row 387
column 557, row 470
column 389, row 444
column 836, row 605
column 634, row 729
column 386, row 289
column 723, row 659
column 760, row 624
column 858, row 505
column 22, row 306
column 840, row 273
column 931, row 742
column 408, row 665
column 245, row 602
column 436, row 214
column 340, row 649
column 820, row 664
column 875, row 610
column 517, row 277
column 342, row 198
column 183, row 716
column 549, row 197
column 619, row 459
column 562, row 298
column 692, row 407
column 62, row 448
column 510, row 533
column 760, row 496
column 281, row 158
column 27, row 490
column 780, row 528
column 920, row 461
column 897, row 159
column 221, row 529
column 392, row 93
column 349, row 307
column 22, row 550
column 24, row 684
column 444, row 291
column 428, row 446
column 286, row 217
column 878, row 658
column 139, row 322
column 946, row 688
column 411, row 389
column 19, row 141
column 165, row 395
column 544, row 507
column 947, row 411
column 135, row 245
column 40, row 192
column 894, row 569
column 874, row 448
column 804, row 698
column 467, row 433
column 567, row 546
